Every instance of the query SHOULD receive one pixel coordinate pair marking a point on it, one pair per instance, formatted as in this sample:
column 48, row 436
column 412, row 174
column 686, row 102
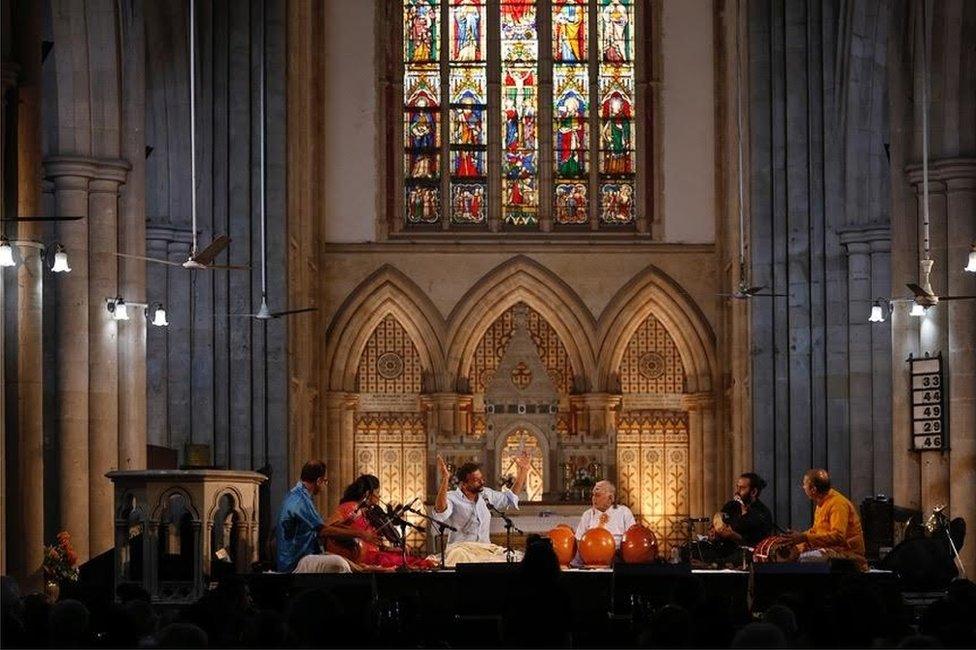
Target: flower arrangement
column 60, row 560
column 584, row 480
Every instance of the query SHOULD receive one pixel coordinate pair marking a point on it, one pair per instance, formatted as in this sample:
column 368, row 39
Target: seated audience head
column 69, row 624
column 313, row 476
column 540, row 560
column 182, row 635
column 759, row 635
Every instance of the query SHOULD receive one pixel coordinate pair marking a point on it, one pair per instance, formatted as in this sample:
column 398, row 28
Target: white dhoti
column 323, row 563
column 466, row 552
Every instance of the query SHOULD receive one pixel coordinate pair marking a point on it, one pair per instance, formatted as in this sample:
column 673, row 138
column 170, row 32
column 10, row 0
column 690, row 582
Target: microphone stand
column 441, row 527
column 509, row 526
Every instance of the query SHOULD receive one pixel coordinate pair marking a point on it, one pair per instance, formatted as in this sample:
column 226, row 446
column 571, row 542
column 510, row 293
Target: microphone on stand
column 404, row 507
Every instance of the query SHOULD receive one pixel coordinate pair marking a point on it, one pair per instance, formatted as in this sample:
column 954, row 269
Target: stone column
column 8, row 77
column 70, row 176
column 868, row 277
column 703, row 474
column 103, row 355
column 27, row 516
column 960, row 179
column 444, row 408
column 339, row 443
column 600, row 415
column 157, row 401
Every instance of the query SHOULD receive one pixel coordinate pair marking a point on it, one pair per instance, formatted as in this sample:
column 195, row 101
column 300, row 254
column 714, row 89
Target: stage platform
column 607, row 605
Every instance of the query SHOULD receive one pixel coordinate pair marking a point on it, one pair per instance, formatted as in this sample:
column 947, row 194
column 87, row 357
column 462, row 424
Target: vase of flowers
column 584, row 483
column 60, row 565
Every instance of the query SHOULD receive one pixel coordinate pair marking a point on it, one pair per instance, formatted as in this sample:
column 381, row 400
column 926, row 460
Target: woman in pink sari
column 359, row 508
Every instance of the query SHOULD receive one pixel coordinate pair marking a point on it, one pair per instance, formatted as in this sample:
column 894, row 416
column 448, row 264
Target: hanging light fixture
column 877, row 313
column 917, row 310
column 117, row 308
column 159, row 315
column 60, row 260
column 971, row 267
column 6, row 253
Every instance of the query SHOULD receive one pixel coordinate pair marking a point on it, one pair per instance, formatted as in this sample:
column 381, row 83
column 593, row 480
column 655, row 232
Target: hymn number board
column 928, row 404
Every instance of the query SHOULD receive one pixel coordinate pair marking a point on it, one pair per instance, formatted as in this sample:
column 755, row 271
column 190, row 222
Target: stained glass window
column 570, row 111
column 469, row 118
column 616, row 91
column 568, row 162
column 421, row 111
column 520, row 108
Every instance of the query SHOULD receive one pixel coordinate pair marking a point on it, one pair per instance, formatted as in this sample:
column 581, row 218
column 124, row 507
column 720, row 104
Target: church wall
column 354, row 211
column 215, row 378
column 445, row 276
column 819, row 234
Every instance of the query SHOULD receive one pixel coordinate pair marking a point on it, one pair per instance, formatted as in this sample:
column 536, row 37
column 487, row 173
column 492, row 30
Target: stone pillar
column 600, row 416
column 27, row 531
column 157, row 401
column 103, row 355
column 444, row 409
column 70, row 176
column 868, row 277
column 339, row 443
column 8, row 77
column 959, row 176
column 703, row 474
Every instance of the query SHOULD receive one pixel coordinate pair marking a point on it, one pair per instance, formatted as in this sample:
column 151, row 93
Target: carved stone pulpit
column 173, row 526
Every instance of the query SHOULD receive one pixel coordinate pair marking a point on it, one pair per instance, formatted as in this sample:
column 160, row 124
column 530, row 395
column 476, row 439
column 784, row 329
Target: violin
column 382, row 522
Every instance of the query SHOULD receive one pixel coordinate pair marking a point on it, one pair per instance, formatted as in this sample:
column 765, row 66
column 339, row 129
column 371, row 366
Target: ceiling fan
column 198, row 260
column 743, row 291
column 924, row 296
column 264, row 313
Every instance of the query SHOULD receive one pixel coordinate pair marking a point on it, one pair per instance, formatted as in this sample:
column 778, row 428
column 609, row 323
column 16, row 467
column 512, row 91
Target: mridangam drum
column 775, row 548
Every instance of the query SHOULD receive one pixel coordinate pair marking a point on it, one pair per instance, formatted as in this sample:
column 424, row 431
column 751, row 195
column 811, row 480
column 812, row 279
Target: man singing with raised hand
column 466, row 509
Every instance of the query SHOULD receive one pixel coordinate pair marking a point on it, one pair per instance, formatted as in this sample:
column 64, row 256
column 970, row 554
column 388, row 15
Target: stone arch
column 239, row 508
column 174, row 491
column 653, row 293
column 521, row 279
column 496, row 445
column 386, row 292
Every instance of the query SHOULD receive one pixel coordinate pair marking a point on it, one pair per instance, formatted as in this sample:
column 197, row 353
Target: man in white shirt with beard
column 466, row 509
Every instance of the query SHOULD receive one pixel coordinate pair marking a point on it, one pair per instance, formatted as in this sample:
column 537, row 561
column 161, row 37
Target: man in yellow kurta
column 836, row 530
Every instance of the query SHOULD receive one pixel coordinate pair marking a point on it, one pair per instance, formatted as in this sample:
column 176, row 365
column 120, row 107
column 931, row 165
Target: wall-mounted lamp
column 116, row 306
column 971, row 267
column 917, row 310
column 58, row 265
column 6, row 253
column 155, row 313
column 878, row 309
column 60, row 260
column 158, row 314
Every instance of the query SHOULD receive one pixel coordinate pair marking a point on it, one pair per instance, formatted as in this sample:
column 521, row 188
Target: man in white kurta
column 606, row 513
column 466, row 509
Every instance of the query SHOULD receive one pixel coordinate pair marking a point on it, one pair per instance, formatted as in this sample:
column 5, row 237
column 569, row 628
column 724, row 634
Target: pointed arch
column 521, row 279
column 386, row 292
column 652, row 292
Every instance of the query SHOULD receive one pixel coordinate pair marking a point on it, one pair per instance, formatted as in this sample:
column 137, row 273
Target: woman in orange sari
column 359, row 496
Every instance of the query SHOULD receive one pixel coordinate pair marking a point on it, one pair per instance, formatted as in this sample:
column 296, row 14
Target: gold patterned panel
column 652, row 471
column 515, row 442
column 492, row 346
column 390, row 362
column 651, row 362
column 392, row 447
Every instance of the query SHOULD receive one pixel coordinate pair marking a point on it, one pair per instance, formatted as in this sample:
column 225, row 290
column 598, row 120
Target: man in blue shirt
column 300, row 529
